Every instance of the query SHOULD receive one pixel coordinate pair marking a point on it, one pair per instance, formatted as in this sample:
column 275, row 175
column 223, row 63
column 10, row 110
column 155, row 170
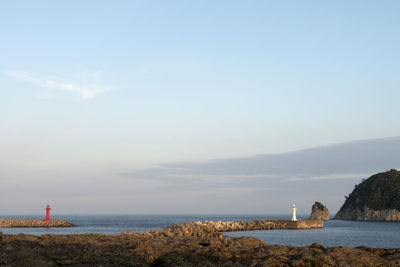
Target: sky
column 124, row 106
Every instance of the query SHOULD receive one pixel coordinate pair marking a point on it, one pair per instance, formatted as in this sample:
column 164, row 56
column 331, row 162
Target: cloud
column 352, row 160
column 83, row 91
column 330, row 177
column 273, row 182
column 175, row 180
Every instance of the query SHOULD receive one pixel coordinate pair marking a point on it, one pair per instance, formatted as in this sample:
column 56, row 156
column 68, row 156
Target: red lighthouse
column 48, row 212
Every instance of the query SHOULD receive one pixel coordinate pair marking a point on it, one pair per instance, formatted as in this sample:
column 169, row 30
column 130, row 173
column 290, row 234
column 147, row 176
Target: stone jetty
column 216, row 229
column 34, row 223
column 230, row 226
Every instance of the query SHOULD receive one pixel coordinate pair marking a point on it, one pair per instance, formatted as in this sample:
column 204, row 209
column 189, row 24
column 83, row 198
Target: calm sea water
column 335, row 233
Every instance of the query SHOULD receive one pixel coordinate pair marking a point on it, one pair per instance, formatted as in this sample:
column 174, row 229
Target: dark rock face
column 376, row 198
column 174, row 249
column 319, row 212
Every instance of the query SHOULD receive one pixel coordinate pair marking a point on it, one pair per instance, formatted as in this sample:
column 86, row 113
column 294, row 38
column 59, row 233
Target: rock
column 317, row 246
column 368, row 214
column 249, row 242
column 319, row 212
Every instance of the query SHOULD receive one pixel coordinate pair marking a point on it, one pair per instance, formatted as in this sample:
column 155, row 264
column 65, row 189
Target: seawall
column 307, row 224
column 265, row 225
column 212, row 228
column 34, row 223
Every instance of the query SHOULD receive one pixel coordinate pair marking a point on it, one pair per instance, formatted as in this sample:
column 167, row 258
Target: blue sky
column 90, row 90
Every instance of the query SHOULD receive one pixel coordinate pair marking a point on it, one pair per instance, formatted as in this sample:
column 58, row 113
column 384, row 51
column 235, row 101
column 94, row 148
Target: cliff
column 319, row 212
column 376, row 198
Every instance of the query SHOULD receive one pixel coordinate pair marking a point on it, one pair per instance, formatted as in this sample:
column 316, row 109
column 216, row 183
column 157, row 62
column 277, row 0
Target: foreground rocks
column 192, row 244
column 35, row 223
column 319, row 212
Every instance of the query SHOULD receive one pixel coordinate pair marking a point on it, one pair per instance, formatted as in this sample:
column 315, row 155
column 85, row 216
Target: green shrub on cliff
column 319, row 205
column 378, row 192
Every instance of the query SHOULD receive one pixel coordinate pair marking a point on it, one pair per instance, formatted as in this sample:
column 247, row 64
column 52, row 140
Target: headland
column 374, row 199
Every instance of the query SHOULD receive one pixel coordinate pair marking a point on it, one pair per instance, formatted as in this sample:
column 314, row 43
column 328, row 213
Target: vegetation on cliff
column 319, row 206
column 379, row 192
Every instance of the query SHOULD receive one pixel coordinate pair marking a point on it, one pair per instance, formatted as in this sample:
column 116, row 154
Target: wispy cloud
column 83, row 91
column 330, row 177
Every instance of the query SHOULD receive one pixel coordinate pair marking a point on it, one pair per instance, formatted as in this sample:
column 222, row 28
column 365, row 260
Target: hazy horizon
column 249, row 183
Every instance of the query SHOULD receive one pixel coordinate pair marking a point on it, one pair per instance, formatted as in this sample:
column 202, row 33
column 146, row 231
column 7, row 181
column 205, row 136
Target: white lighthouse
column 294, row 213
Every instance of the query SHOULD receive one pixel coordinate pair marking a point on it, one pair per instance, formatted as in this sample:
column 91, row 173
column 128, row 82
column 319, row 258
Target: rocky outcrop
column 376, row 198
column 207, row 249
column 35, row 223
column 319, row 212
column 367, row 214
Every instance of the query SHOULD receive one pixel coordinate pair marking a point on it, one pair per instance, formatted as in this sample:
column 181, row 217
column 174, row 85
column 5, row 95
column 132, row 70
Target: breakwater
column 34, row 223
column 230, row 226
column 216, row 229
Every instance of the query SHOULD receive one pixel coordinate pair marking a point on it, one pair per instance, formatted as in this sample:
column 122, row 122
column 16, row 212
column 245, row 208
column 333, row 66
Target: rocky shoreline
column 34, row 223
column 190, row 244
column 368, row 214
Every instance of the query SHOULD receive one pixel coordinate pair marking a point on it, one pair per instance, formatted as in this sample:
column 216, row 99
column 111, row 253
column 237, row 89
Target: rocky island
column 319, row 212
column 376, row 198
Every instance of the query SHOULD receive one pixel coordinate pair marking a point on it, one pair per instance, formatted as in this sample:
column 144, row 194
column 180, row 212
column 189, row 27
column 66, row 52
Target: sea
column 334, row 233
